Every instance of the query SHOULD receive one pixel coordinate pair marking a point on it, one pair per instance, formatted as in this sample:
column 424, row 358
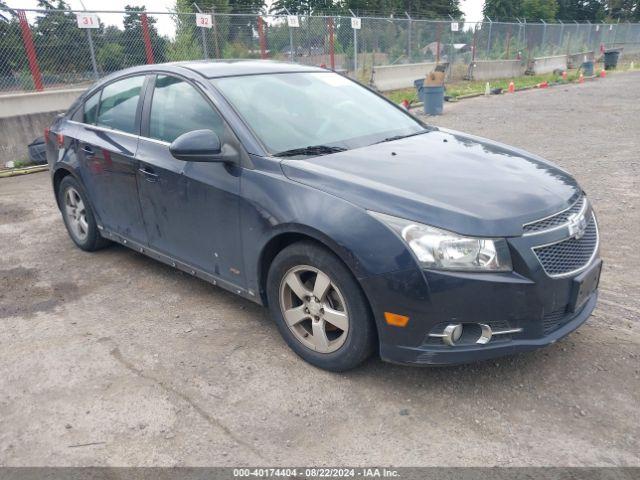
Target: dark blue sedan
column 361, row 229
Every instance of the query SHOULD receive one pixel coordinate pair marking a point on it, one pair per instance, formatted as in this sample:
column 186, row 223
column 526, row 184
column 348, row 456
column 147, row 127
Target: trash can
column 587, row 68
column 611, row 59
column 433, row 99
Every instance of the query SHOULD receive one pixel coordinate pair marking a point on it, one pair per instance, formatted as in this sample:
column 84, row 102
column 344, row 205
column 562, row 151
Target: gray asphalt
column 113, row 359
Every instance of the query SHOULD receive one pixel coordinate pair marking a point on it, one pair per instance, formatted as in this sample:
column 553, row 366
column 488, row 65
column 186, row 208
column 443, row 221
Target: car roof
column 229, row 68
column 224, row 68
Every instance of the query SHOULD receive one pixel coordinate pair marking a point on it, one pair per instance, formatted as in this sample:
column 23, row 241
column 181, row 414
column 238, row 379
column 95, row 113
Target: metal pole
column 92, row 52
column 561, row 32
column 30, row 50
column 489, row 39
column 589, row 36
column 355, row 47
column 544, row 35
column 215, row 32
column 203, row 34
column 408, row 38
column 332, row 49
column 290, row 37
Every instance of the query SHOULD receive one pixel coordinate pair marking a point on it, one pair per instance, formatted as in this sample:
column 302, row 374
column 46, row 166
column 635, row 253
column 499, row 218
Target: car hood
column 443, row 178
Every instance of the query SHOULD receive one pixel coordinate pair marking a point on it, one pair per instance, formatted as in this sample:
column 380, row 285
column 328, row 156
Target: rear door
column 107, row 142
column 190, row 209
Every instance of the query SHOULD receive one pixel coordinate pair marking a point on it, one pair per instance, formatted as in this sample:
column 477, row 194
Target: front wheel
column 319, row 307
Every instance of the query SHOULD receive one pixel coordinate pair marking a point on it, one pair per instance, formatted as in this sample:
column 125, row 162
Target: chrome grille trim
column 576, row 270
column 557, row 220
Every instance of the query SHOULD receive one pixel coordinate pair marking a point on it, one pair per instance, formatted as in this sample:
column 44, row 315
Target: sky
column 472, row 10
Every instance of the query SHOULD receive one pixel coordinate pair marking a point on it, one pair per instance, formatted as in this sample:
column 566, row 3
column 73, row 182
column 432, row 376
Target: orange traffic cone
column 564, row 75
column 581, row 78
column 603, row 73
column 512, row 87
column 543, row 85
column 405, row 104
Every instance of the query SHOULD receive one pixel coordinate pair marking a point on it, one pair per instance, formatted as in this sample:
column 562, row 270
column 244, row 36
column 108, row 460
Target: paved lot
column 113, row 359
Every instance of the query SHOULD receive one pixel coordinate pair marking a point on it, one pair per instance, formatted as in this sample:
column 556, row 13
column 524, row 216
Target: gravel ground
column 113, row 359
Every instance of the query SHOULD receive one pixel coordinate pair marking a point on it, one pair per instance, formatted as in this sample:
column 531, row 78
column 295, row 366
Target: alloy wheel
column 314, row 309
column 76, row 214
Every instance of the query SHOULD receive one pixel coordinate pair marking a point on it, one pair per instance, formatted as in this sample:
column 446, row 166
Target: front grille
column 556, row 220
column 571, row 255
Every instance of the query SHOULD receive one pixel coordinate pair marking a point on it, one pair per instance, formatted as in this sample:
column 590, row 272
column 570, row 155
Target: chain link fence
column 44, row 49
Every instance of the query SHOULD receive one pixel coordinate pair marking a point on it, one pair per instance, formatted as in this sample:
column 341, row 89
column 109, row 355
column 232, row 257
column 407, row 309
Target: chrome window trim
column 115, row 130
column 573, row 272
column 558, row 227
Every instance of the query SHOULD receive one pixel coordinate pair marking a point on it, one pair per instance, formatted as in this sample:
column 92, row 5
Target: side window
column 91, row 109
column 178, row 108
column 119, row 103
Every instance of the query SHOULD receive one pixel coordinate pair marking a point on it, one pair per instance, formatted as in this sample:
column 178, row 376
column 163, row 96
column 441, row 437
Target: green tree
column 61, row 46
column 502, row 9
column 133, row 39
column 581, row 10
column 536, row 10
column 12, row 57
column 111, row 57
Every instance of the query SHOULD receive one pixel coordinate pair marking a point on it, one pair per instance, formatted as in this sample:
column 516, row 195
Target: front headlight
column 443, row 250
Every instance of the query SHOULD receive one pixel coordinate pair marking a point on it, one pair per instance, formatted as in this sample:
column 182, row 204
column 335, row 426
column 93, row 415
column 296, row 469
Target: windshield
column 290, row 112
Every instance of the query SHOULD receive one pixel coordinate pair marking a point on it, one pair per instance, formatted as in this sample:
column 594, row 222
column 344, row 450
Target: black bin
column 611, row 59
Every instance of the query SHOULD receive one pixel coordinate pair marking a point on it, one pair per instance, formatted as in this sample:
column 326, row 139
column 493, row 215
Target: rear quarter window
column 90, row 109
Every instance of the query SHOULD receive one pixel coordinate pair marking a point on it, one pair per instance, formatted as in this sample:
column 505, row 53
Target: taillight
column 60, row 139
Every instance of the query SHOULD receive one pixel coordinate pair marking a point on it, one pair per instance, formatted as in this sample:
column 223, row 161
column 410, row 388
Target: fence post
column 473, row 48
column 332, row 49
column 263, row 38
column 489, row 39
column 438, row 33
column 30, row 49
column 589, row 36
column 147, row 38
column 215, row 32
column 203, row 35
column 408, row 37
column 544, row 37
column 92, row 52
column 508, row 41
column 355, row 47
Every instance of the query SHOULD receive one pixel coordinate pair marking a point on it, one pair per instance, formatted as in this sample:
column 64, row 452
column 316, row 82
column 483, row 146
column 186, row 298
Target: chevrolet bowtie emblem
column 577, row 225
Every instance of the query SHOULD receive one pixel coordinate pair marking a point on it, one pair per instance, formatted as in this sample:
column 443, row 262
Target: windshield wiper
column 398, row 137
column 312, row 150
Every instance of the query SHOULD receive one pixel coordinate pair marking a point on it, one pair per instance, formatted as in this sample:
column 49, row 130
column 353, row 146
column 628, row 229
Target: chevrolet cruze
column 361, row 228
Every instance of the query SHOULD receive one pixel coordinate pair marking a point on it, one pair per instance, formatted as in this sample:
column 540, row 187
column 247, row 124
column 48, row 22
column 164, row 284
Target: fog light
column 451, row 334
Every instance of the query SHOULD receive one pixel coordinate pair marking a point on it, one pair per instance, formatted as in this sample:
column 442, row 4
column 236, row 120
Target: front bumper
column 537, row 305
column 426, row 355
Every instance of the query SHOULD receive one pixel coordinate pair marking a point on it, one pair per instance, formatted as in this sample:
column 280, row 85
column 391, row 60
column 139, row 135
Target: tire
column 78, row 216
column 317, row 330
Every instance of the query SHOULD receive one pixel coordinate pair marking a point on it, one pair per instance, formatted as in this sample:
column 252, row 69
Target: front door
column 190, row 209
column 107, row 144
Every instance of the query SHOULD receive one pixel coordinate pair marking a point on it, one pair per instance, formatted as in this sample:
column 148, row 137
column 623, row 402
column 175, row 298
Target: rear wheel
column 319, row 307
column 78, row 216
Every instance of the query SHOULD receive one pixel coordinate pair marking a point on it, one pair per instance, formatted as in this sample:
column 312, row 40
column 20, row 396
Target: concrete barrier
column 394, row 77
column 542, row 65
column 576, row 59
column 23, row 117
column 32, row 102
column 492, row 69
column 19, row 131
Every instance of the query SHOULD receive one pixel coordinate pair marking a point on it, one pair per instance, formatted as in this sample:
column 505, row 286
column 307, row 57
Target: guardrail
column 395, row 77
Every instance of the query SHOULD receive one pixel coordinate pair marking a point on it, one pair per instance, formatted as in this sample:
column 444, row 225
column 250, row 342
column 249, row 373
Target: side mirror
column 197, row 146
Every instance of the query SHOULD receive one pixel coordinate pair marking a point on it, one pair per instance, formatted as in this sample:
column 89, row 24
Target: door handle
column 150, row 175
column 88, row 150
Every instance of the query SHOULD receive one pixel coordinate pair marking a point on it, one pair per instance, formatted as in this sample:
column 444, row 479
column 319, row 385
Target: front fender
column 273, row 205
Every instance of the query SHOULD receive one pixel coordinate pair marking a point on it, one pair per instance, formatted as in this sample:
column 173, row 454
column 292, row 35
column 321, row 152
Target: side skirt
column 167, row 260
